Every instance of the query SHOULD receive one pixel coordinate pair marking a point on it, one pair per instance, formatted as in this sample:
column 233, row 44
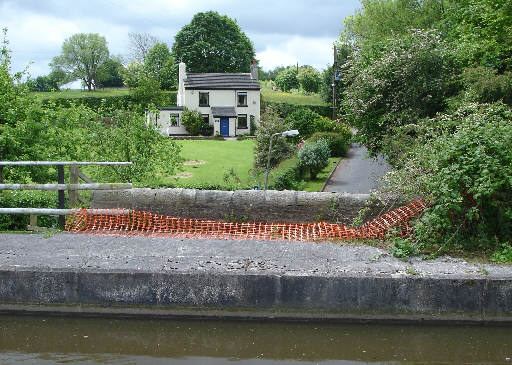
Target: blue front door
column 224, row 127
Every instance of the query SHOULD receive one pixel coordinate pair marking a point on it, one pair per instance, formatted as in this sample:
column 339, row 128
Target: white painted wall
column 226, row 98
column 163, row 122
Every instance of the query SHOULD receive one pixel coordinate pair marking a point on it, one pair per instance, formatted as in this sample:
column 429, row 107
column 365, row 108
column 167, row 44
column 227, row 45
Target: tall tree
column 213, row 43
column 140, row 44
column 109, row 73
column 160, row 65
column 81, row 56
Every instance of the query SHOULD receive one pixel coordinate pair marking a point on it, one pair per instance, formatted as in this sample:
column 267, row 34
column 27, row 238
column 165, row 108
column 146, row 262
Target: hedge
column 284, row 109
column 115, row 102
column 26, row 199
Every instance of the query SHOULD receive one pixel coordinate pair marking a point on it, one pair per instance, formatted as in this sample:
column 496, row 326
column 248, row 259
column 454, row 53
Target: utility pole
column 334, row 70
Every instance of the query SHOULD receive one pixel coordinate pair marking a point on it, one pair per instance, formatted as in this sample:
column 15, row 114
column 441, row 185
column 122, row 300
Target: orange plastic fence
column 124, row 222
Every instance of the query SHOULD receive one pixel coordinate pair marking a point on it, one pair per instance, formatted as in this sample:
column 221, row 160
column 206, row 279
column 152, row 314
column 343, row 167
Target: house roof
column 224, row 111
column 221, row 81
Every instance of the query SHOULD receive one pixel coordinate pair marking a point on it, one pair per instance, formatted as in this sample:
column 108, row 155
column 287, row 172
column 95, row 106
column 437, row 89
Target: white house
column 228, row 101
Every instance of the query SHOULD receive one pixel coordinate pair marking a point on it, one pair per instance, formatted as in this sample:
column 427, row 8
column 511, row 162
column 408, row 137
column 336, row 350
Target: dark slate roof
column 224, row 111
column 226, row 81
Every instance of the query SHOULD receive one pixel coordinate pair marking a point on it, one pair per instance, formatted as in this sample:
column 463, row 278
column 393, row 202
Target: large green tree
column 213, row 43
column 160, row 65
column 82, row 55
column 109, row 73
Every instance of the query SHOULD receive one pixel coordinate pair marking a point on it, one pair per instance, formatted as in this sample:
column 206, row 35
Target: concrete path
column 357, row 173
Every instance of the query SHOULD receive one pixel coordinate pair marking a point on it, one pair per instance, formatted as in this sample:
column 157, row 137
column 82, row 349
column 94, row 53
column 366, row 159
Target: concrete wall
column 255, row 296
column 241, row 205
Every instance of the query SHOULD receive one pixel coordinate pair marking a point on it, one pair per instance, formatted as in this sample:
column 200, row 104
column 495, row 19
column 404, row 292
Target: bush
column 206, row 130
column 26, row 199
column 304, row 120
column 193, row 121
column 338, row 143
column 410, row 78
column 314, row 156
column 464, row 168
column 288, row 179
column 503, row 254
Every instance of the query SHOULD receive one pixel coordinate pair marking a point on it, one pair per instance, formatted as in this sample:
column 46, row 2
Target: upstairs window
column 204, row 99
column 242, row 98
column 242, row 121
column 175, row 120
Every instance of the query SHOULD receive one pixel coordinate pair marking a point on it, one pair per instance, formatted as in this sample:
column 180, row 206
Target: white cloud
column 316, row 52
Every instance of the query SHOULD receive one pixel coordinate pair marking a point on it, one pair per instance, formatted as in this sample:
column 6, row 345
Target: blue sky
column 283, row 32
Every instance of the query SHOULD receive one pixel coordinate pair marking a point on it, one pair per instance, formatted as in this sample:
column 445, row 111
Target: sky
column 284, row 32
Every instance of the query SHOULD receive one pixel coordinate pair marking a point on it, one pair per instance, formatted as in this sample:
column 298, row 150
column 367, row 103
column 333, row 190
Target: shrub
column 289, row 179
column 464, row 168
column 271, row 123
column 314, row 156
column 408, row 79
column 193, row 121
column 338, row 143
column 26, row 199
column 503, row 254
column 304, row 120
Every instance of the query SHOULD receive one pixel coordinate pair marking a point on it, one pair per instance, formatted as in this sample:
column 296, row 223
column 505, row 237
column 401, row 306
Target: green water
column 57, row 340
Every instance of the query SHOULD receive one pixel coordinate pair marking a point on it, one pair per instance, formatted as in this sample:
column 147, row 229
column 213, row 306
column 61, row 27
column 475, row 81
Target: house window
column 242, row 121
column 204, row 99
column 206, row 118
column 242, row 98
column 175, row 120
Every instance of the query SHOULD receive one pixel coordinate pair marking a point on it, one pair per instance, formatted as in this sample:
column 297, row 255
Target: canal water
column 57, row 340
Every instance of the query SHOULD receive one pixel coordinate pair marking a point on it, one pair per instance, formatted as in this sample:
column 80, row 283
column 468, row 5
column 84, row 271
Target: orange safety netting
column 125, row 222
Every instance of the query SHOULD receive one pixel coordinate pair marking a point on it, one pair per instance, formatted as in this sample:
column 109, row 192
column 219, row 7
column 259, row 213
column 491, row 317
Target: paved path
column 357, row 173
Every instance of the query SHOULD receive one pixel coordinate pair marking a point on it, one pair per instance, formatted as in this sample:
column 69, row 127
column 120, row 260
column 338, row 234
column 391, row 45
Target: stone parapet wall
column 242, row 205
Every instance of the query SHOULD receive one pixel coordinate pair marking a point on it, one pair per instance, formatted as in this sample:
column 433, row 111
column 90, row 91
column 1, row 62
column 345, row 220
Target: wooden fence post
column 73, row 179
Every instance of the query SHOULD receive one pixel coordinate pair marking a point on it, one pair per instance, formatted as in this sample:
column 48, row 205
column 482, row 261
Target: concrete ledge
column 244, row 279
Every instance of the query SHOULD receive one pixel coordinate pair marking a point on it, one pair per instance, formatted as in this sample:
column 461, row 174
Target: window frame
column 201, row 93
column 238, row 94
column 238, row 122
column 206, row 118
column 174, row 115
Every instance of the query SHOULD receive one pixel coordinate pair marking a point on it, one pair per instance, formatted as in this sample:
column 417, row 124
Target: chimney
column 254, row 70
column 182, row 76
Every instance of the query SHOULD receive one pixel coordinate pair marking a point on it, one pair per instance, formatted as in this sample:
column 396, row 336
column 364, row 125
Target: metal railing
column 73, row 187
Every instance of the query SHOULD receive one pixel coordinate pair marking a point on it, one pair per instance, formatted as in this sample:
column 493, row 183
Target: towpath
column 357, row 173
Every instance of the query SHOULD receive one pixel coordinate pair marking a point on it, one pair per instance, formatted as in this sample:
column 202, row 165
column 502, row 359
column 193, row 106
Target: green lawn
column 208, row 161
column 81, row 93
column 215, row 158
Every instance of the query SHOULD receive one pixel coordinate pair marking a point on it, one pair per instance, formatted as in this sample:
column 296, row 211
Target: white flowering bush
column 314, row 156
column 396, row 83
